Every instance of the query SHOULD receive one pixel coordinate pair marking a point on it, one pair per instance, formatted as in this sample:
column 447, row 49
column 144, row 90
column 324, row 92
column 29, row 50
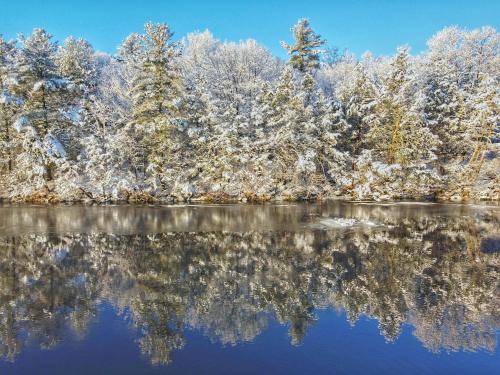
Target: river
column 330, row 288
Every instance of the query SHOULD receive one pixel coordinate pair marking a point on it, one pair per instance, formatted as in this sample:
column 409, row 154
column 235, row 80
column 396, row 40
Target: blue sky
column 360, row 25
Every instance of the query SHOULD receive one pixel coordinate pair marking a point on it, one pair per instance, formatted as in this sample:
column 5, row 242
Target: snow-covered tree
column 156, row 97
column 231, row 73
column 444, row 94
column 451, row 76
column 482, row 126
column 297, row 135
column 75, row 61
column 359, row 100
column 209, row 119
column 398, row 134
column 8, row 103
column 155, row 90
column 304, row 52
column 47, row 111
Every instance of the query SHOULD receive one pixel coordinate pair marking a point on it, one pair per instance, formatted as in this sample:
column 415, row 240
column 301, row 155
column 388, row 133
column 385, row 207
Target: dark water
column 338, row 288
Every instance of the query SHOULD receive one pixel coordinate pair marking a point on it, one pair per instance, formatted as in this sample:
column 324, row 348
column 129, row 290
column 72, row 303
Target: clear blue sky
column 360, row 25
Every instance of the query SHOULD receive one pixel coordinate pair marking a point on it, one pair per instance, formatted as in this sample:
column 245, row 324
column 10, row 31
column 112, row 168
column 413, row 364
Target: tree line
column 198, row 118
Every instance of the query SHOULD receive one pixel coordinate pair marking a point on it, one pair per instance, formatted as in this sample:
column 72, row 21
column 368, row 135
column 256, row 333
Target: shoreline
column 206, row 200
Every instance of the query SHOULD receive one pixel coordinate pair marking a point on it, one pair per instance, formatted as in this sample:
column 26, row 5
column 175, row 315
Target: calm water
column 337, row 288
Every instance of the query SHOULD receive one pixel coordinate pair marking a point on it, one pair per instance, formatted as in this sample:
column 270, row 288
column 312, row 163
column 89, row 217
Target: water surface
column 334, row 288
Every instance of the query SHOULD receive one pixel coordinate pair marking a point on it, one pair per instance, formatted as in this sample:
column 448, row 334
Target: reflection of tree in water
column 428, row 272
column 45, row 280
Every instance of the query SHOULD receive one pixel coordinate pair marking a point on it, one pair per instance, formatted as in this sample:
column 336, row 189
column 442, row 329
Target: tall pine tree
column 8, row 104
column 46, row 114
column 156, row 88
column 304, row 52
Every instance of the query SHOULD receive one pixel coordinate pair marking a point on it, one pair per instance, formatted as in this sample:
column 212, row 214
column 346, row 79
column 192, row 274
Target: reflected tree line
column 439, row 274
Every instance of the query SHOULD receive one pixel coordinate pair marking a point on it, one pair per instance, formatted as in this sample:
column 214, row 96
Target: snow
column 6, row 98
column 341, row 222
column 51, row 84
column 73, row 115
column 22, row 124
column 385, row 169
column 54, row 147
column 228, row 120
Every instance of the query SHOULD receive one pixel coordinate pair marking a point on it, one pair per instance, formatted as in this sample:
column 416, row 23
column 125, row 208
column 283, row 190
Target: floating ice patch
column 341, row 222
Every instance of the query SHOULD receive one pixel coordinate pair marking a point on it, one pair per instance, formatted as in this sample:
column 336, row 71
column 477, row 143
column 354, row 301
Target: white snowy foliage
column 53, row 148
column 200, row 118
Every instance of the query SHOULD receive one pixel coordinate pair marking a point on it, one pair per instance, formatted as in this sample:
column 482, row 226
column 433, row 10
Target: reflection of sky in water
column 273, row 294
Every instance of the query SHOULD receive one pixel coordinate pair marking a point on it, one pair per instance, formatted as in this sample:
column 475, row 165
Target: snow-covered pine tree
column 321, row 163
column 332, row 160
column 46, row 113
column 444, row 96
column 400, row 146
column 282, row 126
column 225, row 151
column 482, row 126
column 262, row 113
column 359, row 99
column 75, row 62
column 398, row 134
column 301, row 136
column 97, row 170
column 156, row 126
column 131, row 140
column 304, row 52
column 191, row 176
column 452, row 71
column 8, row 104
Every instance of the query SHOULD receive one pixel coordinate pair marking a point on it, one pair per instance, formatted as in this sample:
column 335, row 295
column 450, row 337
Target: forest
column 196, row 118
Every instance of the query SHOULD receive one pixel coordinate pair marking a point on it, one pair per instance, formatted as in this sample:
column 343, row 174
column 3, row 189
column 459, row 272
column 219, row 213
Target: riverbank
column 144, row 197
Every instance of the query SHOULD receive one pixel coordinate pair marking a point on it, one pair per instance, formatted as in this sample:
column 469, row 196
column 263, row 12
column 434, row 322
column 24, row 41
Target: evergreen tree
column 8, row 103
column 75, row 61
column 444, row 95
column 199, row 121
column 304, row 53
column 398, row 134
column 482, row 129
column 262, row 113
column 284, row 125
column 303, row 130
column 359, row 100
column 156, row 88
column 47, row 112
